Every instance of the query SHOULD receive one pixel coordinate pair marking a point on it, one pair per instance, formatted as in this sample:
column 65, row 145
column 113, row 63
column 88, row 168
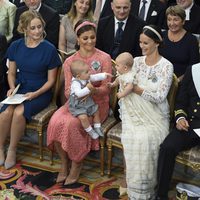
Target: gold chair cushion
column 109, row 123
column 192, row 155
column 115, row 132
column 45, row 114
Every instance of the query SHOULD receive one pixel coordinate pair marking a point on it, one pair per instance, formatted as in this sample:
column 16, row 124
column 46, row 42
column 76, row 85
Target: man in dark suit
column 106, row 8
column 171, row 2
column 192, row 10
column 18, row 3
column 182, row 137
column 61, row 6
column 154, row 13
column 108, row 27
column 49, row 15
column 3, row 80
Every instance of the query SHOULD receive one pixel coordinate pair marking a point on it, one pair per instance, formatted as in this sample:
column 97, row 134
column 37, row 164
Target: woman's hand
column 182, row 124
column 30, row 95
column 138, row 90
column 10, row 91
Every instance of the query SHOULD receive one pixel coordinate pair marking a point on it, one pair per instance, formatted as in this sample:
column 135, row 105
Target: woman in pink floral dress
column 65, row 132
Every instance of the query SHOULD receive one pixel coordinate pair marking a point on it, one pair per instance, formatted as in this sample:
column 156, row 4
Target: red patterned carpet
column 31, row 179
column 34, row 180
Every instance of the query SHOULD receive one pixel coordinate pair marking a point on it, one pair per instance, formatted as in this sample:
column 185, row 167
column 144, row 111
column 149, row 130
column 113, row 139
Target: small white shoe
column 94, row 135
column 122, row 191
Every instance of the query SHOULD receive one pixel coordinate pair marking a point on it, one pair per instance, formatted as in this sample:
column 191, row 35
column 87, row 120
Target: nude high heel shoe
column 2, row 157
column 10, row 159
column 122, row 191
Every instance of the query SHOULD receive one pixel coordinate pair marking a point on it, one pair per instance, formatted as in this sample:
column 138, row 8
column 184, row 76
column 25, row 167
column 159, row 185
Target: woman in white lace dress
column 146, row 124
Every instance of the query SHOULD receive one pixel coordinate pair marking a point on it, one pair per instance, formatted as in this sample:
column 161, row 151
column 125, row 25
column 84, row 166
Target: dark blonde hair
column 72, row 13
column 126, row 59
column 76, row 67
column 176, row 11
column 26, row 18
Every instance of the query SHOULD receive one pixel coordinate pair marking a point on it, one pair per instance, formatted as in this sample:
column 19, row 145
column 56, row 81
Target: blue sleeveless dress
column 33, row 65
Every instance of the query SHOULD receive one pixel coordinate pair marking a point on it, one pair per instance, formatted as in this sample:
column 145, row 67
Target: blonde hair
column 76, row 67
column 26, row 18
column 73, row 13
column 125, row 59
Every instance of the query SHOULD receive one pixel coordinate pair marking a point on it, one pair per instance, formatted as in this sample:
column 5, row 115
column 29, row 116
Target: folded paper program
column 15, row 99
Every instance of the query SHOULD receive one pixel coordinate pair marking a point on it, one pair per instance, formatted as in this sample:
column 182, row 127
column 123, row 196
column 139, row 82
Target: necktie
column 97, row 10
column 117, row 40
column 119, row 32
column 142, row 10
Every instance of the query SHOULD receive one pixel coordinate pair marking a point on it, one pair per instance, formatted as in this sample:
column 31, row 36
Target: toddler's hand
column 90, row 86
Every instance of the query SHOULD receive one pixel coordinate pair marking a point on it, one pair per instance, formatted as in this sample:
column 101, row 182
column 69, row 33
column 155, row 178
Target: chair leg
column 40, row 142
column 102, row 144
column 51, row 157
column 109, row 158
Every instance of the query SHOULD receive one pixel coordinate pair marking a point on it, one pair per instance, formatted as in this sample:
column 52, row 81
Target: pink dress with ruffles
column 65, row 128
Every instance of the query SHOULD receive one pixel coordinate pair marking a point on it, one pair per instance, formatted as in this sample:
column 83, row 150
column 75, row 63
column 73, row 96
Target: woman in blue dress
column 33, row 64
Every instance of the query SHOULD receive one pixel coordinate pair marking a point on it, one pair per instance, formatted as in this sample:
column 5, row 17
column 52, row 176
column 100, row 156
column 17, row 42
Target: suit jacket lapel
column 105, row 6
column 151, row 9
column 127, row 33
column 135, row 6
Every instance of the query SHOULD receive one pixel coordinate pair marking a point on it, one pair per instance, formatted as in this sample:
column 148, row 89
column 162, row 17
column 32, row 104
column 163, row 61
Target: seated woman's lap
column 68, row 131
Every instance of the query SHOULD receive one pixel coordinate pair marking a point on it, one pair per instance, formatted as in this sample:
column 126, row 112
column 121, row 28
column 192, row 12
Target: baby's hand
column 119, row 95
column 110, row 85
column 90, row 86
column 108, row 74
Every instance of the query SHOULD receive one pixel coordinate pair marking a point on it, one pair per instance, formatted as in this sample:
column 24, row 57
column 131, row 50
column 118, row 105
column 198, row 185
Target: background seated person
column 80, row 9
column 192, row 9
column 18, row 3
column 7, row 17
column 50, row 16
column 154, row 12
column 120, row 31
column 179, row 46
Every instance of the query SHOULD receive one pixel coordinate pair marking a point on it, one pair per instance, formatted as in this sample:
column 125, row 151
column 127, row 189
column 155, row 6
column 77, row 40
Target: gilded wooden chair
column 190, row 158
column 114, row 134
column 110, row 121
column 40, row 121
column 107, row 125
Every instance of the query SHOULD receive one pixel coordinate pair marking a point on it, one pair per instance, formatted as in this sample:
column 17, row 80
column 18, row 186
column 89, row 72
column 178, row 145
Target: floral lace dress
column 145, row 124
column 67, row 129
